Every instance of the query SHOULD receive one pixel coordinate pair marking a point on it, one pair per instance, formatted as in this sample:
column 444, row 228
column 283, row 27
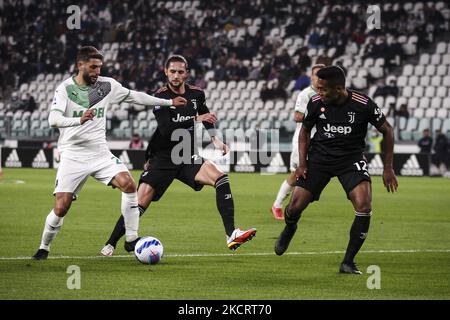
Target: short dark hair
column 317, row 66
column 176, row 58
column 333, row 74
column 88, row 52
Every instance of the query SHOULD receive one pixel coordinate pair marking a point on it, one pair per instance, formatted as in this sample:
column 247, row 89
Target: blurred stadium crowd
column 252, row 57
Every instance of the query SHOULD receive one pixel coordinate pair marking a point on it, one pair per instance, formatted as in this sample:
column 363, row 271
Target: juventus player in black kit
column 341, row 118
column 164, row 163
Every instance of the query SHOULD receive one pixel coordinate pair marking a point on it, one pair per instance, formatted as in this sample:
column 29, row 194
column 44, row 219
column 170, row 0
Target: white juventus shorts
column 74, row 171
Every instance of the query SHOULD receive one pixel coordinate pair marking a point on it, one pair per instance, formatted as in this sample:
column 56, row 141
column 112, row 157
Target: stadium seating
column 424, row 89
column 424, row 80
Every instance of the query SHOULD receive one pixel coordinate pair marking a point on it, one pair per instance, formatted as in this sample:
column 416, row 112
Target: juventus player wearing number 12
column 161, row 168
column 341, row 118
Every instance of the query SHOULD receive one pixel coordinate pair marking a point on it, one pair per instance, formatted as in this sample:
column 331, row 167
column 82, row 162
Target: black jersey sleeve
column 376, row 116
column 310, row 119
column 202, row 109
column 165, row 125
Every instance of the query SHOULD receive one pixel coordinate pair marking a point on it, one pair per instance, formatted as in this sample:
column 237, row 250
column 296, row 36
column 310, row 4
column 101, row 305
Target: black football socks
column 225, row 204
column 358, row 234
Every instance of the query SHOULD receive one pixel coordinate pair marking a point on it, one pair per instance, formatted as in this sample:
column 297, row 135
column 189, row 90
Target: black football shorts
column 161, row 172
column 350, row 173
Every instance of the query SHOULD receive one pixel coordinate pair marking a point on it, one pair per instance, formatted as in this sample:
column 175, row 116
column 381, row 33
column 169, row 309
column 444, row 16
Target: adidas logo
column 322, row 116
column 376, row 166
column 126, row 160
column 244, row 164
column 40, row 160
column 411, row 167
column 13, row 160
column 276, row 165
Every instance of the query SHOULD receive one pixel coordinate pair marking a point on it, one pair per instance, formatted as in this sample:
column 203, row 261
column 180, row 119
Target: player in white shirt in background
column 79, row 111
column 300, row 108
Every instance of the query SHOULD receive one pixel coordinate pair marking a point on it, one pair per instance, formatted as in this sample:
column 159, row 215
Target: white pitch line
column 235, row 254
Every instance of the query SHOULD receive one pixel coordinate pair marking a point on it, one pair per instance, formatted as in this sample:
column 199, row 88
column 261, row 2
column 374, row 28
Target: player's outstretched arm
column 389, row 178
column 57, row 120
column 148, row 100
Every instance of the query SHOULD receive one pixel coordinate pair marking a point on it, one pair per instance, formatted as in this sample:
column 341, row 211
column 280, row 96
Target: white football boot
column 107, row 250
column 239, row 237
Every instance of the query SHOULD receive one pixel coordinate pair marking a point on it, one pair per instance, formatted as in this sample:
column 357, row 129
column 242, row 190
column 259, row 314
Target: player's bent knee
column 63, row 202
column 125, row 183
column 295, row 208
column 145, row 194
column 212, row 169
column 362, row 205
column 61, row 209
column 130, row 187
column 363, row 209
column 209, row 173
column 300, row 200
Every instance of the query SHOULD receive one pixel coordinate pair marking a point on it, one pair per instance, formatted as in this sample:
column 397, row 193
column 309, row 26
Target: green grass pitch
column 409, row 240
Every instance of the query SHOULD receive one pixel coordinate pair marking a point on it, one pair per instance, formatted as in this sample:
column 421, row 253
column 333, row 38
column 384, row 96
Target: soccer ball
column 148, row 250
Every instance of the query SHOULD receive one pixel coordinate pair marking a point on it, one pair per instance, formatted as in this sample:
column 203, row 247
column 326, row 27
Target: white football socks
column 130, row 214
column 284, row 191
column 52, row 226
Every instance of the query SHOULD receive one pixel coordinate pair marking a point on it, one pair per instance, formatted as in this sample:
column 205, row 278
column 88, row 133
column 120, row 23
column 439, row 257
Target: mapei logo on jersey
column 13, row 160
column 276, row 165
column 126, row 160
column 412, row 167
column 244, row 164
column 180, row 118
column 97, row 112
column 40, row 160
column 330, row 130
column 352, row 117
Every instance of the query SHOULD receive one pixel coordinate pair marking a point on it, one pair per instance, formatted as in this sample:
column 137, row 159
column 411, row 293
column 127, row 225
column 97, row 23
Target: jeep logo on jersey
column 181, row 118
column 337, row 129
column 98, row 112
